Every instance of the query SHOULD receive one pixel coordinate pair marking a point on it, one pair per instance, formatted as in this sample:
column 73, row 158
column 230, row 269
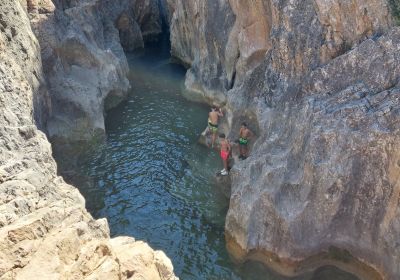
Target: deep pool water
column 152, row 181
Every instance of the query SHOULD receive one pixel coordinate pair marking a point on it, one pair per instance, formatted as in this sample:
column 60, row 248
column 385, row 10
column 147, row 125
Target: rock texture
column 329, row 171
column 85, row 67
column 199, row 33
column 45, row 231
column 320, row 83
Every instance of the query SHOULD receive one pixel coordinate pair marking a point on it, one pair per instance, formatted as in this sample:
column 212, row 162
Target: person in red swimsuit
column 225, row 151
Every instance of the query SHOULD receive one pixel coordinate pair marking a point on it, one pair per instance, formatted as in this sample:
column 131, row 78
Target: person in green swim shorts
column 244, row 135
column 213, row 117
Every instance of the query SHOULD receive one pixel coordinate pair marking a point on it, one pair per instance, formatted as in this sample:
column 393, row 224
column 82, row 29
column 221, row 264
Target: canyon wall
column 45, row 231
column 82, row 47
column 320, row 83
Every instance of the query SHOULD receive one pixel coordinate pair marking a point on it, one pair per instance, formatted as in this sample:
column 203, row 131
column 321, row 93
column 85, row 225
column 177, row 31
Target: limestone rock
column 322, row 87
column 147, row 15
column 129, row 33
column 84, row 66
column 139, row 261
column 199, row 34
column 82, row 47
column 140, row 21
column 223, row 40
column 45, row 230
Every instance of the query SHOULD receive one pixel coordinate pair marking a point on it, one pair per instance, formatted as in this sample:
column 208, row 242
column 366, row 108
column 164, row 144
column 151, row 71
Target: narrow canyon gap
column 152, row 179
column 318, row 81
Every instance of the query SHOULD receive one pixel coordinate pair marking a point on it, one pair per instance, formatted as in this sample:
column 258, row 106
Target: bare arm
column 251, row 134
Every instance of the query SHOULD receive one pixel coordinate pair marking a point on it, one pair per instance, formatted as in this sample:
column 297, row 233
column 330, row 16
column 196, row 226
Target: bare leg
column 241, row 150
column 214, row 135
column 225, row 164
column 208, row 137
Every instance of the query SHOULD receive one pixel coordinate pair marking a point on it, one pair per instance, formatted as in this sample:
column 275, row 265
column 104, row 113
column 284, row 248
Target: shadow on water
column 154, row 182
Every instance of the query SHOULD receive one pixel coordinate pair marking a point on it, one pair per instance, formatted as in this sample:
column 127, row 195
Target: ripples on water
column 154, row 182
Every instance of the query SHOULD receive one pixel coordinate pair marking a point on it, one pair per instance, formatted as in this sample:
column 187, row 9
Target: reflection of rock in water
column 162, row 65
column 331, row 273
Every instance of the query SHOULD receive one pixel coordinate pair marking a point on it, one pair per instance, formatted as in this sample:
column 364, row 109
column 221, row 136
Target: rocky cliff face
column 83, row 45
column 45, row 231
column 319, row 82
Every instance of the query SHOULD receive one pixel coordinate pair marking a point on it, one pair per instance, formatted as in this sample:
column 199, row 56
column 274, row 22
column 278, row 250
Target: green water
column 154, row 182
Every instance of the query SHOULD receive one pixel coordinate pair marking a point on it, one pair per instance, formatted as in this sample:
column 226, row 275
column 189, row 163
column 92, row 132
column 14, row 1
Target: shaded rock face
column 45, row 231
column 140, row 22
column 323, row 89
column 147, row 14
column 129, row 33
column 199, row 33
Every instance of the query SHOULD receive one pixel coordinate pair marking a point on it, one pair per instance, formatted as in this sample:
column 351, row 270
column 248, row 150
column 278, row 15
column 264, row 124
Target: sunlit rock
column 45, row 230
column 321, row 80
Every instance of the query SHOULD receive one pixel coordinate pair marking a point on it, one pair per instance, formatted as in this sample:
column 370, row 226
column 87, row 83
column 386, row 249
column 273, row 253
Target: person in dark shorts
column 244, row 135
column 225, row 151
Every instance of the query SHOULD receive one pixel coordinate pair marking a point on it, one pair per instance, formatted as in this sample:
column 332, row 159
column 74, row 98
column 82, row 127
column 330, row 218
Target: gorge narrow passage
column 152, row 181
column 153, row 177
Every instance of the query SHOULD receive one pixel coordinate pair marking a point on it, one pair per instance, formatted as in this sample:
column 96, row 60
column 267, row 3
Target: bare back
column 213, row 116
column 225, row 146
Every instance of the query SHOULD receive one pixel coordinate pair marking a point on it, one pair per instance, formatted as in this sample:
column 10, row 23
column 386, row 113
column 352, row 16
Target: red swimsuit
column 224, row 155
